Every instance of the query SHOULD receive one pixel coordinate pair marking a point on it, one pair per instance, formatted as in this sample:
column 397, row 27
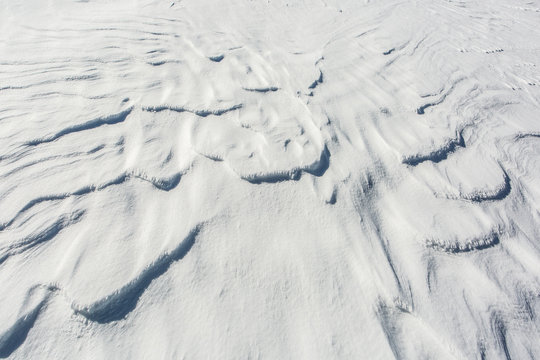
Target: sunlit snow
column 270, row 179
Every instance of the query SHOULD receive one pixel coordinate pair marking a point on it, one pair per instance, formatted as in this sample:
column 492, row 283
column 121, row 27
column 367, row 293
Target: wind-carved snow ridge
column 107, row 120
column 201, row 113
column 439, row 154
column 40, row 237
column 465, row 246
column 523, row 136
column 16, row 334
column 317, row 82
column 119, row 304
column 113, row 307
column 263, row 90
column 498, row 193
column 216, row 58
column 317, row 169
column 421, row 110
column 163, row 184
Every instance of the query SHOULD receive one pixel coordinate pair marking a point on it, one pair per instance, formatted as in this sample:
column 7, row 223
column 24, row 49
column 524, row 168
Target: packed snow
column 270, row 179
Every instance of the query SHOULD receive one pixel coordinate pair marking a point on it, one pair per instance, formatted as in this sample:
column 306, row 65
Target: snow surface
column 239, row 179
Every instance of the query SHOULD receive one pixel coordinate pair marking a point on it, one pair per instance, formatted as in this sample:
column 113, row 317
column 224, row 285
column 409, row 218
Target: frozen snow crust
column 269, row 179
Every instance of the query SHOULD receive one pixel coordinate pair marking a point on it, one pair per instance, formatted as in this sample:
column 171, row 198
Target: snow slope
column 268, row 179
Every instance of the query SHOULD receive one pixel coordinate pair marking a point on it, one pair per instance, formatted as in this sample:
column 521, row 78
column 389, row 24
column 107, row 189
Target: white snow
column 270, row 179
